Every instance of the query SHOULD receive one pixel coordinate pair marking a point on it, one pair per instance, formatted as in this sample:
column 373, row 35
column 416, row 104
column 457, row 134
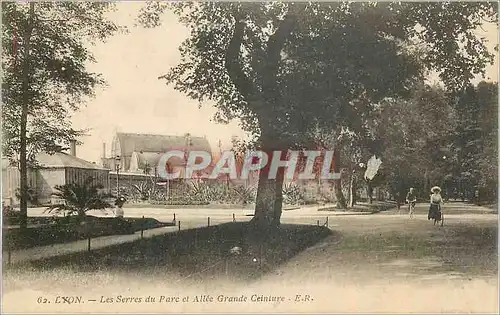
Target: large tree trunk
column 369, row 190
column 352, row 191
column 266, row 199
column 23, row 163
column 339, row 195
column 268, row 204
column 269, row 201
column 278, row 204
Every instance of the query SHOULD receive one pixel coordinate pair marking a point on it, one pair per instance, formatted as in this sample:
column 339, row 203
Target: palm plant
column 292, row 194
column 144, row 190
column 80, row 198
column 200, row 191
column 246, row 194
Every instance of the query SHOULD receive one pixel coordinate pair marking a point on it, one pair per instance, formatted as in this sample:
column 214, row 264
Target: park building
column 51, row 170
column 140, row 153
column 133, row 160
column 134, row 157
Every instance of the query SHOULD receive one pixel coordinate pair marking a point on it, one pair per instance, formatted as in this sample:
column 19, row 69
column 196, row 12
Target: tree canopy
column 58, row 81
column 288, row 70
column 333, row 59
column 45, row 76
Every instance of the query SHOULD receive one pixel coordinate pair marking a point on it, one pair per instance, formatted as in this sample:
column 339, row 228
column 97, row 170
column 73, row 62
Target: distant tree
column 288, row 69
column 416, row 136
column 476, row 138
column 45, row 52
column 488, row 157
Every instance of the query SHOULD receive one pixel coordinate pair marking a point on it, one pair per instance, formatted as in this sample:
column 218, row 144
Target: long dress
column 435, row 208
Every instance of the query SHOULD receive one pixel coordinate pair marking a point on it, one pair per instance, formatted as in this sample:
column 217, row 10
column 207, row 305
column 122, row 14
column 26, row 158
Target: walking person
column 398, row 202
column 436, row 201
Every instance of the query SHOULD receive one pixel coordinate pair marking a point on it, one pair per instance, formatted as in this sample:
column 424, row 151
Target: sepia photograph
column 249, row 157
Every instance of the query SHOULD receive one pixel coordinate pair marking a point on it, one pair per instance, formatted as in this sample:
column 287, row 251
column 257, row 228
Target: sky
column 135, row 100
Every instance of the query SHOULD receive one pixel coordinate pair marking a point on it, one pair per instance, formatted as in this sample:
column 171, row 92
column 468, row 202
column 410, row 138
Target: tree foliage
column 44, row 78
column 58, row 79
column 416, row 136
column 475, row 139
column 287, row 70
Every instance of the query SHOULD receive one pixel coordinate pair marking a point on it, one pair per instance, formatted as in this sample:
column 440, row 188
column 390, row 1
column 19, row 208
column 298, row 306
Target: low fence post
column 208, row 221
column 174, row 218
column 327, row 221
column 234, row 218
column 318, row 222
column 88, row 247
column 179, row 225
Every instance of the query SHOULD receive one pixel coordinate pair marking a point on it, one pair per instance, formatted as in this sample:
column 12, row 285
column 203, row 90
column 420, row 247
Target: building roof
column 150, row 158
column 130, row 142
column 64, row 160
column 139, row 160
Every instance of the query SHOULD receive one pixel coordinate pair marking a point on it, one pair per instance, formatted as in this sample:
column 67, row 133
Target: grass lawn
column 191, row 251
column 56, row 230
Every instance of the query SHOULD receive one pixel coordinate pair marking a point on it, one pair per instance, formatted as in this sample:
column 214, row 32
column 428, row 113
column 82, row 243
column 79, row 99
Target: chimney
column 104, row 150
column 72, row 147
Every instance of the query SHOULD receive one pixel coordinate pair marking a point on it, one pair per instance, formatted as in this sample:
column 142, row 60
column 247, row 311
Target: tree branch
column 274, row 47
column 277, row 40
column 232, row 62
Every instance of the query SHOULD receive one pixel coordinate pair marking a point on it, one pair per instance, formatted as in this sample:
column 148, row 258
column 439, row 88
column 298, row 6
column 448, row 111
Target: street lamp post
column 117, row 167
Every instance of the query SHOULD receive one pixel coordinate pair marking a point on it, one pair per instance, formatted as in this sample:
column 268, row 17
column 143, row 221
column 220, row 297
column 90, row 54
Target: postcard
column 249, row 157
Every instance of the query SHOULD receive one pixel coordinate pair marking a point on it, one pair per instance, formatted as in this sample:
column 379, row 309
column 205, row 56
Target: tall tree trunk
column 267, row 210
column 269, row 201
column 369, row 190
column 278, row 204
column 23, row 163
column 339, row 195
column 266, row 199
column 352, row 191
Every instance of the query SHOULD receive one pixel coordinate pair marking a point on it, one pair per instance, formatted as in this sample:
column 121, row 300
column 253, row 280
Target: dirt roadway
column 382, row 263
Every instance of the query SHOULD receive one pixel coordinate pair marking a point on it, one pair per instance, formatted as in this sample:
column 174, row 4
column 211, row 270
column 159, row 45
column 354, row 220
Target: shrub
column 292, row 194
column 80, row 198
column 32, row 195
column 245, row 194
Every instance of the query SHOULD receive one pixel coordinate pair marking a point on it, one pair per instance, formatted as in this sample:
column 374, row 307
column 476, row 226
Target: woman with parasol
column 435, row 206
